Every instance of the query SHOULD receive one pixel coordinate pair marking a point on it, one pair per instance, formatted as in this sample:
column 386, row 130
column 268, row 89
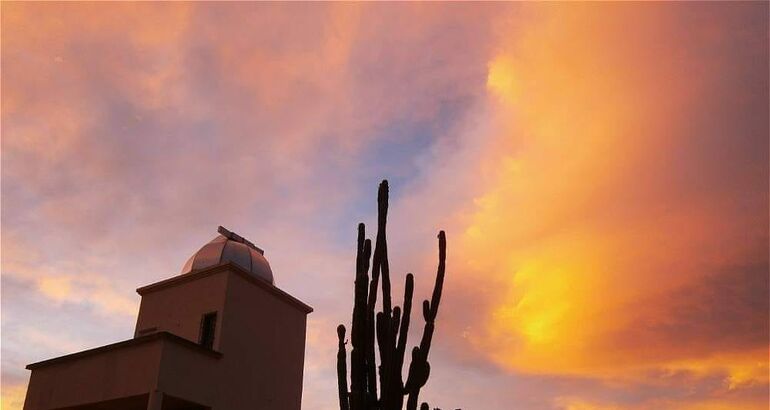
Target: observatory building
column 218, row 336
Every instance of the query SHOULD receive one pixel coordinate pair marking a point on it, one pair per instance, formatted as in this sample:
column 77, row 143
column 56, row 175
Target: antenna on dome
column 238, row 238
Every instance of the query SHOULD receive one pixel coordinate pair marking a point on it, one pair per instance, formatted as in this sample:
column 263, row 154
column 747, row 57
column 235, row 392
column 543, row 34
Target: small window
column 208, row 326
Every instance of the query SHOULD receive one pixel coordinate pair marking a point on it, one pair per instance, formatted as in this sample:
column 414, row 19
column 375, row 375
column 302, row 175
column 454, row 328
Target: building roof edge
column 222, row 267
column 124, row 343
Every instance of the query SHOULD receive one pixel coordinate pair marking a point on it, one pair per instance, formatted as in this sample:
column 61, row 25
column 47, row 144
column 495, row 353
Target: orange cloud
column 566, row 403
column 603, row 181
column 21, row 261
column 13, row 396
column 599, row 247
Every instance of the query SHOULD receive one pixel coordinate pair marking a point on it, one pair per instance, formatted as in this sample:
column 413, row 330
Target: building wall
column 132, row 369
column 263, row 347
column 178, row 308
column 187, row 374
column 113, row 374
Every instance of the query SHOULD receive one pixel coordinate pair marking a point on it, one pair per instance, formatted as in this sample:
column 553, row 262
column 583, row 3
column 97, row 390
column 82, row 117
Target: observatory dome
column 230, row 247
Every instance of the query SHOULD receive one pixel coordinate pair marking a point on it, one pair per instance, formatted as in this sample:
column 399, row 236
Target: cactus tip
column 341, row 332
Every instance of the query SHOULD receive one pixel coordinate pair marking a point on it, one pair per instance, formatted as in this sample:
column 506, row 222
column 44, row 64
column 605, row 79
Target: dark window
column 208, row 326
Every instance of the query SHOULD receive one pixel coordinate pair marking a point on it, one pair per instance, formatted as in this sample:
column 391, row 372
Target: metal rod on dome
column 238, row 238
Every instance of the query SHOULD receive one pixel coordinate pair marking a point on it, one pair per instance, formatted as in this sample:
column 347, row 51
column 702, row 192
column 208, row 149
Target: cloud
column 612, row 226
column 22, row 262
column 131, row 132
column 13, row 396
column 600, row 169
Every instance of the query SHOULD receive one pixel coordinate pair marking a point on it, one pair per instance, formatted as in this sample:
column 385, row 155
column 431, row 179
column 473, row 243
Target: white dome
column 230, row 247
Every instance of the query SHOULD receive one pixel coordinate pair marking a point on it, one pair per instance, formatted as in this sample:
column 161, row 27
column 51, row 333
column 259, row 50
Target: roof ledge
column 221, row 268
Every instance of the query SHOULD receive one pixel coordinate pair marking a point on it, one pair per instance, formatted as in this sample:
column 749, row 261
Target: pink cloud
column 612, row 157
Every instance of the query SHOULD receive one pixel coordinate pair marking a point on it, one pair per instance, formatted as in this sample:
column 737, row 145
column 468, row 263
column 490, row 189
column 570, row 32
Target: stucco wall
column 264, row 348
column 112, row 374
column 178, row 308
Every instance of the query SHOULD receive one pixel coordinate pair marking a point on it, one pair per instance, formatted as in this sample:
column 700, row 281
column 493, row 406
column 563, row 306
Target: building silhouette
column 218, row 336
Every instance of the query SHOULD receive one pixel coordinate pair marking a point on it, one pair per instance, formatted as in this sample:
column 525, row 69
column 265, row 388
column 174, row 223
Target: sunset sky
column 601, row 171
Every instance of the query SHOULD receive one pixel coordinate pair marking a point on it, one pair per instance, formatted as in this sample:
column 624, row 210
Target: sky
column 601, row 171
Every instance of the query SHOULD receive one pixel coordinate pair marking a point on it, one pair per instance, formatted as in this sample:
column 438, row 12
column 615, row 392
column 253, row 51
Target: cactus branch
column 342, row 369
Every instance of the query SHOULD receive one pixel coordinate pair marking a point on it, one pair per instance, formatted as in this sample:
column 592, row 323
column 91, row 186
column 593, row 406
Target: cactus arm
column 395, row 324
column 358, row 331
column 386, row 348
column 382, row 220
column 404, row 328
column 439, row 286
column 411, row 402
column 342, row 371
column 403, row 334
column 419, row 369
column 371, row 366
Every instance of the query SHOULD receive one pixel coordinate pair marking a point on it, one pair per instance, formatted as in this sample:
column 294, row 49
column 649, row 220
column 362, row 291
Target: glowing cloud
column 613, row 259
column 601, row 171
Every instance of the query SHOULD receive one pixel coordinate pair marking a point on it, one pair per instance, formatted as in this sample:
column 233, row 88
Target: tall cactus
column 388, row 329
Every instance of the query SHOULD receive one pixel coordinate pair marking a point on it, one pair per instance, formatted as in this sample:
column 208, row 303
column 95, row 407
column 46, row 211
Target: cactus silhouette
column 381, row 387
